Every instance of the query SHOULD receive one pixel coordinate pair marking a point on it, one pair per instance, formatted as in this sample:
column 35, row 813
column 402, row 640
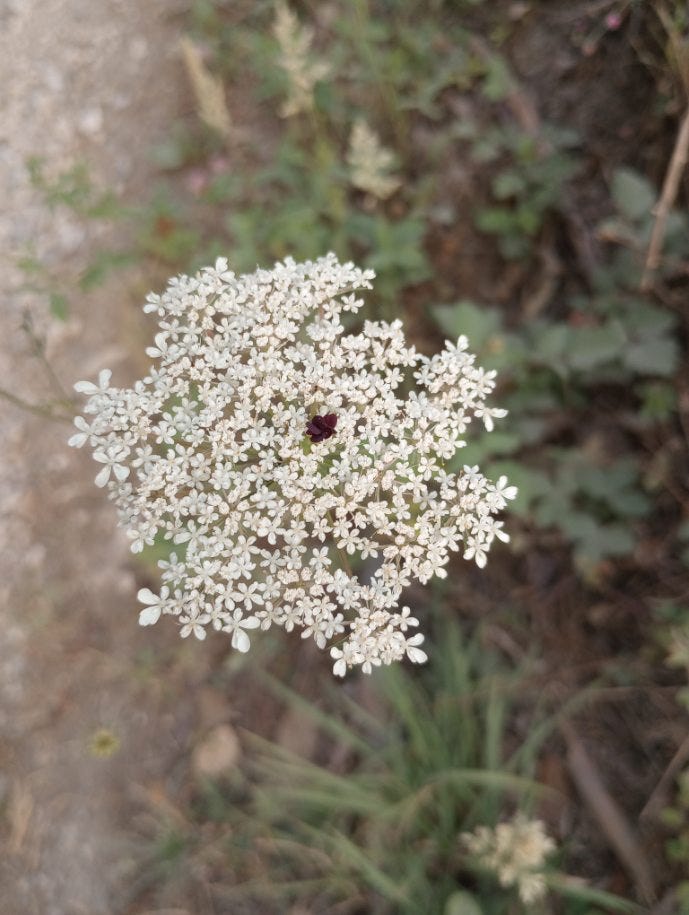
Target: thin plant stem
column 44, row 410
column 39, row 352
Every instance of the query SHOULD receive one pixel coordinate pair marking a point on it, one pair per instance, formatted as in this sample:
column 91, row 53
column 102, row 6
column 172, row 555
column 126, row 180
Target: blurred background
column 514, row 171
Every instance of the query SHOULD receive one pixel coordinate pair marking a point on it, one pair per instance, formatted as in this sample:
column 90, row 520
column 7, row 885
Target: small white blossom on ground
column 516, row 852
column 300, row 67
column 272, row 449
column 370, row 163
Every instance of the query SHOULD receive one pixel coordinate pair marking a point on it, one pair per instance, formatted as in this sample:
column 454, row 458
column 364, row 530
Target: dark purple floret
column 319, row 428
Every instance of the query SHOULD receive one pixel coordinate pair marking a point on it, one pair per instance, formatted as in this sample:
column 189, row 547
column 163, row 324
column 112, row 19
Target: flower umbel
column 516, row 852
column 210, row 451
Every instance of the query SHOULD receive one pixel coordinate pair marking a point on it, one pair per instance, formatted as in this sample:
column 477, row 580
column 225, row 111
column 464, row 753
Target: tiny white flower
column 237, row 625
column 82, row 436
column 340, row 665
column 89, row 388
column 414, row 653
column 111, row 458
column 506, row 491
column 151, row 614
column 194, row 624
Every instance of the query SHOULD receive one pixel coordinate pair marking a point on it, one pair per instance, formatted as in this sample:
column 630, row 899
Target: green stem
column 44, row 410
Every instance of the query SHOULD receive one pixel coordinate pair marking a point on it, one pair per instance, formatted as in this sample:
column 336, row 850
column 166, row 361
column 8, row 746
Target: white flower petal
column 103, row 476
column 240, row 640
column 417, row 656
column 78, row 440
column 86, row 387
column 149, row 616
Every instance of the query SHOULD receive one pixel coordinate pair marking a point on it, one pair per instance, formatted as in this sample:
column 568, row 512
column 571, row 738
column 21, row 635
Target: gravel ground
column 93, row 81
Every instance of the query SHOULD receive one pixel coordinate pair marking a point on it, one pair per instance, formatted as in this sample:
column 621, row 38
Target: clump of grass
column 376, row 824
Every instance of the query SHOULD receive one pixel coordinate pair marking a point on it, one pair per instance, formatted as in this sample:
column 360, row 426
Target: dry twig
column 659, row 794
column 668, row 196
column 608, row 814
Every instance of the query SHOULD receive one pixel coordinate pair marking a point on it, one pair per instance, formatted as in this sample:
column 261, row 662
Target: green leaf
column 95, row 273
column 634, row 196
column 478, row 323
column 508, row 184
column 644, row 320
column 602, row 482
column 353, row 855
column 577, row 889
column 58, row 306
column 528, row 218
column 328, row 722
column 462, row 904
column 590, row 347
column 496, row 221
column 498, row 79
column 486, row 446
column 549, row 344
column 599, row 541
column 530, row 483
column 653, row 356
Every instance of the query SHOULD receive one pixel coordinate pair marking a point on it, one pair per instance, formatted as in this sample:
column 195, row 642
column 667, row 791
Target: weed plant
column 588, row 368
column 375, row 823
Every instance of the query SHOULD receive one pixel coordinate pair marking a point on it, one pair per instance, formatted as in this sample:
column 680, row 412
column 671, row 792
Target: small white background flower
column 156, row 602
column 89, row 388
column 236, row 625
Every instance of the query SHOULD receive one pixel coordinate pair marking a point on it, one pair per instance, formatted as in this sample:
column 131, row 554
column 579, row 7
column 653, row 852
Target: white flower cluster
column 370, row 162
column 516, row 852
column 273, row 449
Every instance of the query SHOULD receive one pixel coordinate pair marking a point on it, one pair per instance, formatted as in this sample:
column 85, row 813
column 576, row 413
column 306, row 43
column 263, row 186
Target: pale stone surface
column 94, row 81
column 218, row 753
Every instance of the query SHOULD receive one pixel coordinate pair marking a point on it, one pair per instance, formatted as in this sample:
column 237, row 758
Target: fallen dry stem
column 665, row 203
column 659, row 794
column 608, row 814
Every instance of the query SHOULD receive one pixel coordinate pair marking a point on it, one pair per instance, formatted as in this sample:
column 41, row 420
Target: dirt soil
column 97, row 82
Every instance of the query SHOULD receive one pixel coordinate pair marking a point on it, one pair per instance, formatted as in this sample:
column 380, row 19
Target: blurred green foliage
column 611, row 358
column 578, row 362
column 428, row 760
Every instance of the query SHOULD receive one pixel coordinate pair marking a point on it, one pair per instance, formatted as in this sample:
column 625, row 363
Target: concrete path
column 94, row 81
